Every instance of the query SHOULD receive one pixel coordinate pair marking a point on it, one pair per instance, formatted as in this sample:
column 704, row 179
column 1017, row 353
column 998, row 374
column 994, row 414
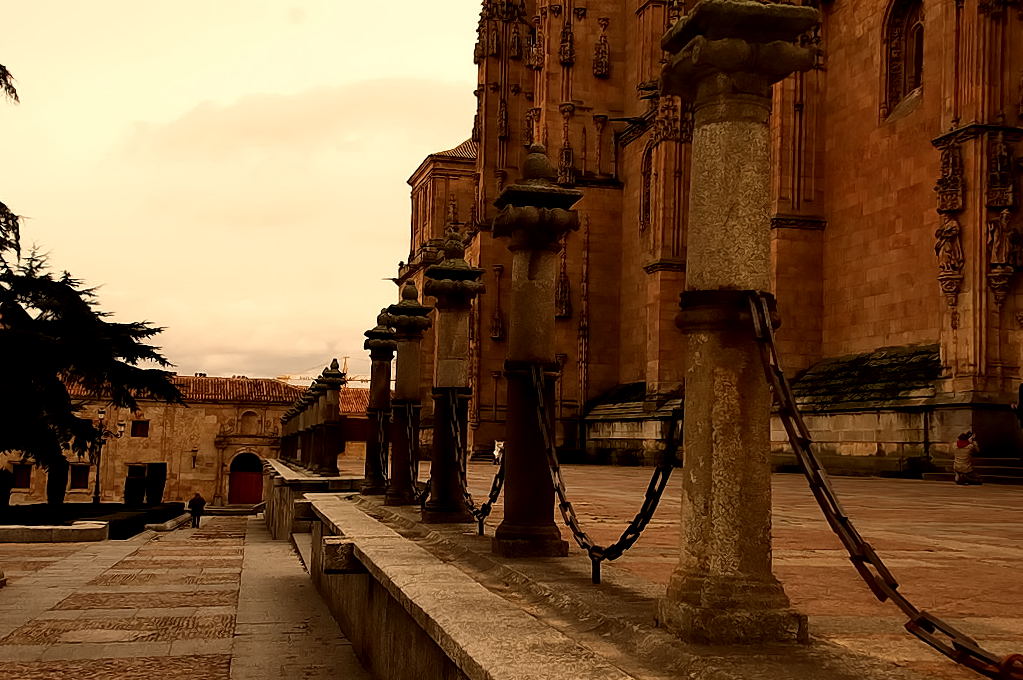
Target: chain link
column 383, row 418
column 655, row 489
column 419, row 497
column 940, row 635
column 480, row 513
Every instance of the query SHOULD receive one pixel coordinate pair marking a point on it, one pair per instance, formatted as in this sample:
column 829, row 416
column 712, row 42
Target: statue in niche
column 949, row 245
column 1000, row 240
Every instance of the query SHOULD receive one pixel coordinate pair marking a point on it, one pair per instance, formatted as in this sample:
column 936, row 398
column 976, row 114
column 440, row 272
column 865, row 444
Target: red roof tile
column 354, row 400
column 195, row 389
column 466, row 149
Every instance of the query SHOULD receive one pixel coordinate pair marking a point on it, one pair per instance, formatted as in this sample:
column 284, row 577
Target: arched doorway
column 245, row 486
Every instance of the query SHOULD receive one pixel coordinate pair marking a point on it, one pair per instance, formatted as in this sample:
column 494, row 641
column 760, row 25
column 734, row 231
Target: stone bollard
column 535, row 214
column 409, row 319
column 380, row 343
column 454, row 283
column 724, row 57
column 332, row 441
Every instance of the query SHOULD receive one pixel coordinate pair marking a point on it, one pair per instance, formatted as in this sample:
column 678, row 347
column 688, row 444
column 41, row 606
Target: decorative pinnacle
column 409, row 293
column 537, row 168
column 454, row 248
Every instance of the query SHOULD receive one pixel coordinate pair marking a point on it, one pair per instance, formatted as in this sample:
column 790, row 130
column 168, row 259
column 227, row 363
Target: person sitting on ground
column 196, row 506
column 962, row 464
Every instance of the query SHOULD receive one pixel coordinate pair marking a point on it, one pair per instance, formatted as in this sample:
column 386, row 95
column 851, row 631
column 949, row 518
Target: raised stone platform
column 73, row 533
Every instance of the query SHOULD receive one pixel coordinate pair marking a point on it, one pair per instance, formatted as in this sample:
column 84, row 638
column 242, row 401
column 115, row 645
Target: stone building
column 214, row 444
column 895, row 237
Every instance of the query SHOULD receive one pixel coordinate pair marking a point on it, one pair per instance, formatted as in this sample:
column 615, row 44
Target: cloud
column 259, row 232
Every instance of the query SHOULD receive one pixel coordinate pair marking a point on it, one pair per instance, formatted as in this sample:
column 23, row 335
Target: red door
column 245, row 485
column 246, row 488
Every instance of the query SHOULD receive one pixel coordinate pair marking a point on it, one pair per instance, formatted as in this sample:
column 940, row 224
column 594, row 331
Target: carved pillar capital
column 734, row 50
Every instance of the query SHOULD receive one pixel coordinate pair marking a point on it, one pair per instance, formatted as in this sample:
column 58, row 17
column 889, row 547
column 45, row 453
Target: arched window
column 903, row 56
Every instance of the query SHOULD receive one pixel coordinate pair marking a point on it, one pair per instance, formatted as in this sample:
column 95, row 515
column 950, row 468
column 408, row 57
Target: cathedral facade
column 895, row 232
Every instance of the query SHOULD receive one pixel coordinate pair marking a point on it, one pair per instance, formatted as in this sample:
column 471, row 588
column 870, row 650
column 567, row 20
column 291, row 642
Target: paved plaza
column 222, row 602
column 957, row 551
column 226, row 602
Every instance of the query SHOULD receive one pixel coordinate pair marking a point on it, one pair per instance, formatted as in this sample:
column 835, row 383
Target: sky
column 232, row 170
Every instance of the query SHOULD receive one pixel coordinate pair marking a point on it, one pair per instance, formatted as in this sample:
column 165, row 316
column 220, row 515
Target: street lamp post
column 97, row 449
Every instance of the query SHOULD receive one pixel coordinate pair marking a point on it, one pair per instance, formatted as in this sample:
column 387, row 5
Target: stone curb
column 484, row 635
column 648, row 643
column 75, row 533
column 171, row 524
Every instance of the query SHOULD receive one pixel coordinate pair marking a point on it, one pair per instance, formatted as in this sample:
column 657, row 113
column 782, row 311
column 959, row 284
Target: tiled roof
column 886, row 375
column 466, row 149
column 195, row 389
column 262, row 390
column 354, row 400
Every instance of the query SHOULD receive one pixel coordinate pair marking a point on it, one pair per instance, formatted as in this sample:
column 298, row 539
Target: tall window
column 903, row 52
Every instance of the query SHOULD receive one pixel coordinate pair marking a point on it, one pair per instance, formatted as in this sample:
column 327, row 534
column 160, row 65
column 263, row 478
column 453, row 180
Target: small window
column 79, row 477
column 140, row 428
column 22, row 475
column 903, row 52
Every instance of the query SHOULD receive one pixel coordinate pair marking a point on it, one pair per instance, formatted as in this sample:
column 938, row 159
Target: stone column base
column 529, row 547
column 373, row 489
column 724, row 626
column 431, row 516
column 528, row 541
column 399, row 499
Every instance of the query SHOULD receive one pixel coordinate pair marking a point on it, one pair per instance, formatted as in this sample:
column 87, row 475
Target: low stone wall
column 73, row 533
column 410, row 615
column 284, row 489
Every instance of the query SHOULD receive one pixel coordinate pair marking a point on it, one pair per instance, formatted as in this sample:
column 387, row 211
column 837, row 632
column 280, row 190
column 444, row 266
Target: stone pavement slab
column 168, row 607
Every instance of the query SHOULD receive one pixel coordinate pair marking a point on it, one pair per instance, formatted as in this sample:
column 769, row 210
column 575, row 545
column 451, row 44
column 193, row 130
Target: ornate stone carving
column 1000, row 241
column 996, row 9
column 493, row 42
column 602, row 51
column 1000, row 183
column 563, row 287
column 497, row 320
column 515, row 43
column 536, row 55
column 502, row 119
column 566, row 156
column 1003, row 255
column 1019, row 319
column 668, row 124
column 675, row 11
column 566, row 49
column 599, row 122
column 950, row 186
column 948, row 247
column 579, row 13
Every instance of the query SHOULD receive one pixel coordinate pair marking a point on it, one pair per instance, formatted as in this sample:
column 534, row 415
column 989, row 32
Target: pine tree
column 52, row 336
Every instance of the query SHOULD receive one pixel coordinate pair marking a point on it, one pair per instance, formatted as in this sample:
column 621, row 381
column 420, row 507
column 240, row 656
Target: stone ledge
column 76, row 532
column 610, row 611
column 171, row 524
column 484, row 635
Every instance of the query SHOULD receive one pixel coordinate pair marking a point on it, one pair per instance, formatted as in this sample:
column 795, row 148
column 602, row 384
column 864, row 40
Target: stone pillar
column 333, row 441
column 317, row 397
column 454, row 284
column 305, row 433
column 380, row 343
column 409, row 319
column 725, row 55
column 535, row 214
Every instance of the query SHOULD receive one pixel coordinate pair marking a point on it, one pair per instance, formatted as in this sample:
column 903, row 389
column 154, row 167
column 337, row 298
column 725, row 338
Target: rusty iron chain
column 940, row 635
column 655, row 489
column 418, row 496
column 483, row 511
column 383, row 418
